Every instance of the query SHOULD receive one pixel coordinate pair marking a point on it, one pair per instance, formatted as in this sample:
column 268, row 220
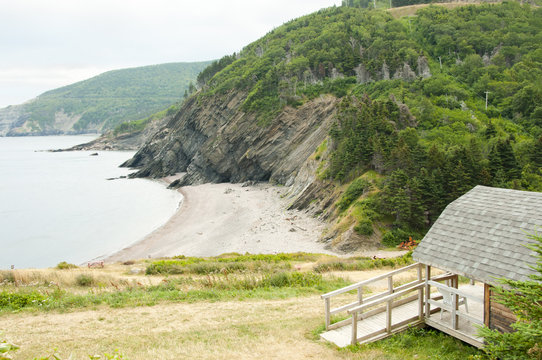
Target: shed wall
column 500, row 317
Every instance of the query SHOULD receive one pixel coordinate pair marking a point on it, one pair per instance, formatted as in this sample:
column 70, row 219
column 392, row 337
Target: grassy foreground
column 263, row 307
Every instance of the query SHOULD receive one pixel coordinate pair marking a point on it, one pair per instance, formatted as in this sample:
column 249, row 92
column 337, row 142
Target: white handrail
column 369, row 281
column 455, row 291
column 359, row 287
column 386, row 298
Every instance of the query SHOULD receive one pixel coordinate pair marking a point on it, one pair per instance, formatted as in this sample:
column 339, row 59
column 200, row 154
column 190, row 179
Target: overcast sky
column 48, row 44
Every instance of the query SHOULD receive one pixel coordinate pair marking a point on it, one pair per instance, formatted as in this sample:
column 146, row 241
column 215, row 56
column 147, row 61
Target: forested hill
column 375, row 123
column 102, row 102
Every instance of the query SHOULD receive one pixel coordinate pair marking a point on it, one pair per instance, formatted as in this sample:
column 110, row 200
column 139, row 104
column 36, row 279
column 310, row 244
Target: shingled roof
column 482, row 234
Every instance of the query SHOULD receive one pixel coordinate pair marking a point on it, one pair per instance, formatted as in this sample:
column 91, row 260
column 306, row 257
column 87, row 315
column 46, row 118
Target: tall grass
column 358, row 264
column 226, row 263
column 54, row 277
column 214, row 287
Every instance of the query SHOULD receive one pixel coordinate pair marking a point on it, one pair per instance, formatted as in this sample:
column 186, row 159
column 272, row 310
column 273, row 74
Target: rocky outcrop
column 10, row 117
column 122, row 142
column 363, row 76
column 402, row 72
column 423, row 67
column 213, row 140
column 405, row 73
column 62, row 125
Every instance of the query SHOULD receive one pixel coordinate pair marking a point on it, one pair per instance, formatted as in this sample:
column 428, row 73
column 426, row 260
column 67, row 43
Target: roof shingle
column 482, row 235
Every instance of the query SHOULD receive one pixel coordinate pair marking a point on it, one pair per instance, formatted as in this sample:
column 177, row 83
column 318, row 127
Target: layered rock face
column 213, row 140
column 11, row 116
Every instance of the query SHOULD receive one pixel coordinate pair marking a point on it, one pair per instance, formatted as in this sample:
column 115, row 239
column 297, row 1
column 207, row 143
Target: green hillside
column 104, row 101
column 411, row 132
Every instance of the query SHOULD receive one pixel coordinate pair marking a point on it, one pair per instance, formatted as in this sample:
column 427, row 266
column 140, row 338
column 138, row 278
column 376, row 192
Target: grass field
column 272, row 310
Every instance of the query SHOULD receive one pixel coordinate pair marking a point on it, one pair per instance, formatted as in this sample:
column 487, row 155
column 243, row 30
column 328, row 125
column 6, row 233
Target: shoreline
column 213, row 219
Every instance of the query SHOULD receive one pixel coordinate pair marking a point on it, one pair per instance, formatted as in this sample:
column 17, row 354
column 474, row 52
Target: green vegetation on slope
column 452, row 142
column 106, row 100
column 131, row 127
column 413, row 103
column 315, row 54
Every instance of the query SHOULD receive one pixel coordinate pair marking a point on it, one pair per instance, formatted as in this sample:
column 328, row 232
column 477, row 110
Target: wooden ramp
column 424, row 301
column 374, row 327
column 378, row 315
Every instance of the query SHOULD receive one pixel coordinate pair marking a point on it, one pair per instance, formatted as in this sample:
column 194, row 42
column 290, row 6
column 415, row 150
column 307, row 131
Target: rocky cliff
column 10, row 117
column 215, row 141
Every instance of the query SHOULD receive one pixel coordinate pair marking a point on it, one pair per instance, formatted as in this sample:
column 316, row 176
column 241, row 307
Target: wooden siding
column 500, row 317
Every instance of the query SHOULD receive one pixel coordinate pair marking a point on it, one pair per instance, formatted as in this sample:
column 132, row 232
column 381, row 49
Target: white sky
column 47, row 44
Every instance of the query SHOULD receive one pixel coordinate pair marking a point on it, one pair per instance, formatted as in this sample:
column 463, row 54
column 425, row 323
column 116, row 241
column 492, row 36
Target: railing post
column 427, row 291
column 454, row 307
column 389, row 305
column 360, row 295
column 354, row 328
column 420, row 294
column 388, row 316
column 327, row 309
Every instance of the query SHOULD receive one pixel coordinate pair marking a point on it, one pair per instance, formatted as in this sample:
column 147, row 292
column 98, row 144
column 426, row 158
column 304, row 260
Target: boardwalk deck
column 373, row 325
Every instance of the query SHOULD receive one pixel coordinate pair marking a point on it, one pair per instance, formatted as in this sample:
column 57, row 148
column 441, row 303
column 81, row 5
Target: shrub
column 171, row 267
column 523, row 298
column 64, row 265
column 292, row 279
column 84, row 280
column 395, row 237
column 215, row 267
column 354, row 190
column 226, row 262
column 277, row 280
column 359, row 264
column 364, row 227
column 17, row 301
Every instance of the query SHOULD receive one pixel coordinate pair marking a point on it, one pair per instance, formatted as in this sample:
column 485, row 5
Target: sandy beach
column 220, row 218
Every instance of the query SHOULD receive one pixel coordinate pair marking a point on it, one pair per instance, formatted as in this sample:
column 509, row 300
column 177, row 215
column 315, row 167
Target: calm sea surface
column 61, row 207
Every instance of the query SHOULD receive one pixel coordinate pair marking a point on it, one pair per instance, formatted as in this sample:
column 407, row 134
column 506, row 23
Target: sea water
column 60, row 206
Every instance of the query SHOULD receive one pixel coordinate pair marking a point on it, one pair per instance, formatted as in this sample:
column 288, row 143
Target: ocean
column 60, row 206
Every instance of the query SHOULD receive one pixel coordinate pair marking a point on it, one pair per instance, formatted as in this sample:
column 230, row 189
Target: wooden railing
column 453, row 308
column 356, row 309
column 390, row 302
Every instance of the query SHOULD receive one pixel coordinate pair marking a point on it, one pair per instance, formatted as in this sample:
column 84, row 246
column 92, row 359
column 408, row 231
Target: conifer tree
column 460, row 182
column 524, row 298
column 508, row 159
column 537, row 153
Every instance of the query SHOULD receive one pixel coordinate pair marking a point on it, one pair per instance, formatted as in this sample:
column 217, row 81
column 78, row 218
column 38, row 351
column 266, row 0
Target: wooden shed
column 480, row 236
